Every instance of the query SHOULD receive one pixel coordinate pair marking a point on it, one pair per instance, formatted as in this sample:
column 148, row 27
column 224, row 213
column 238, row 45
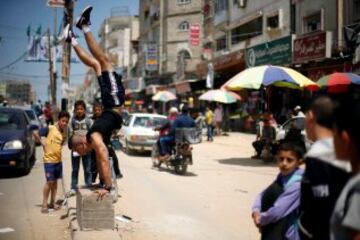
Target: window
column 220, row 5
column 272, row 21
column 247, row 30
column 221, row 43
column 184, row 54
column 184, row 26
column 127, row 120
column 312, row 22
column 183, row 2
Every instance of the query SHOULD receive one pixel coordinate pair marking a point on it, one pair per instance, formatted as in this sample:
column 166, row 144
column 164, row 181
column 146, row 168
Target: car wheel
column 27, row 166
column 33, row 158
column 155, row 156
column 128, row 151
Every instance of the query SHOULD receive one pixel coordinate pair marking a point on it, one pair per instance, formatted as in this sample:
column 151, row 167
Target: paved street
column 212, row 201
column 20, row 201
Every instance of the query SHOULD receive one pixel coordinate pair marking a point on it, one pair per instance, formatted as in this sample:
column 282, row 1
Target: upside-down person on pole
column 112, row 97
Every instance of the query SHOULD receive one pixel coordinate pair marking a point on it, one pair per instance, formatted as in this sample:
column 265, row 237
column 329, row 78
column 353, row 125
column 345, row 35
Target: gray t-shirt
column 346, row 216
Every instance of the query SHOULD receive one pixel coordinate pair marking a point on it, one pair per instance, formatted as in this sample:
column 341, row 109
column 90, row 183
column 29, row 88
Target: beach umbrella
column 164, row 96
column 338, row 82
column 221, row 96
column 266, row 75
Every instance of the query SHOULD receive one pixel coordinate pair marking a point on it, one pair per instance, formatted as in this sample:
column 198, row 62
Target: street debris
column 6, row 230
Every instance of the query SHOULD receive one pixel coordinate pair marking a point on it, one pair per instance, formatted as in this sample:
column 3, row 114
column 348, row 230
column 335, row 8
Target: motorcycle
column 181, row 150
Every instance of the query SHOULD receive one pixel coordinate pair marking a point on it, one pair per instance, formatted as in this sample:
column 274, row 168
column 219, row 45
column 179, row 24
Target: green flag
column 28, row 30
column 38, row 30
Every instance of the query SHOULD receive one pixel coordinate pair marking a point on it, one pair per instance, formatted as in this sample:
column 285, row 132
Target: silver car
column 137, row 132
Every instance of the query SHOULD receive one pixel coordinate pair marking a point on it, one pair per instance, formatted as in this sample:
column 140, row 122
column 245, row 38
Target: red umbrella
column 338, row 82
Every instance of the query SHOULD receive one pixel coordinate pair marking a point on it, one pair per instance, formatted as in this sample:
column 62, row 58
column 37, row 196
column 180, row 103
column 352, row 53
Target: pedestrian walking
column 48, row 114
column 200, row 121
column 345, row 220
column 275, row 209
column 324, row 176
column 112, row 98
column 55, row 137
column 79, row 124
column 218, row 118
column 209, row 118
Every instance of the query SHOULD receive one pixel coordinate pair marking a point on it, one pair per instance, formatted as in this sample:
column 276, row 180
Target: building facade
column 17, row 91
column 170, row 41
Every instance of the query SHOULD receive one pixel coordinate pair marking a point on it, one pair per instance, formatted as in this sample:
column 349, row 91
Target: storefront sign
column 228, row 60
column 277, row 52
column 312, row 47
column 195, row 34
column 151, row 57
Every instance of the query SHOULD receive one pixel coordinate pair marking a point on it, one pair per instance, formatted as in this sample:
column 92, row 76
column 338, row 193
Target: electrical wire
column 15, row 61
column 37, row 76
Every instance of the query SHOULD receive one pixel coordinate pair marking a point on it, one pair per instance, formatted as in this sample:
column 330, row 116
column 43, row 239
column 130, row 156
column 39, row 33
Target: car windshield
column 148, row 122
column 30, row 114
column 11, row 121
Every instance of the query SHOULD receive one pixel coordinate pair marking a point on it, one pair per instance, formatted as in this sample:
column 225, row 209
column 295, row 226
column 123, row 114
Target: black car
column 17, row 144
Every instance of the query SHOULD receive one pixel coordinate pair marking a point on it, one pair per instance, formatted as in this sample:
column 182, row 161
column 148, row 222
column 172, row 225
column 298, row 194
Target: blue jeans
column 86, row 162
column 209, row 132
column 165, row 142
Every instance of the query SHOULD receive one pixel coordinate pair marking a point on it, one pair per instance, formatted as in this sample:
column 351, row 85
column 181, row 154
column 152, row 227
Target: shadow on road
column 171, row 171
column 245, row 162
column 10, row 173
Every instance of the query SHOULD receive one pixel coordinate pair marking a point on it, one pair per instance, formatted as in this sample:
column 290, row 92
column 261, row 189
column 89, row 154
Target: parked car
column 137, row 132
column 17, row 144
column 39, row 121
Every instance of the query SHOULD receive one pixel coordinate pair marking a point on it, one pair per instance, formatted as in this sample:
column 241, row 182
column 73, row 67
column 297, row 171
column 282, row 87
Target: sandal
column 44, row 210
column 54, row 206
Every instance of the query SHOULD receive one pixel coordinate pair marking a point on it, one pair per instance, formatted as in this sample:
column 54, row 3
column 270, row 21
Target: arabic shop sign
column 312, row 47
column 277, row 52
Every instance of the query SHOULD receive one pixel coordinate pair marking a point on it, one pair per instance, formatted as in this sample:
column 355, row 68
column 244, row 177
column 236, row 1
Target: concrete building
column 172, row 30
column 117, row 33
column 241, row 33
column 17, row 91
column 320, row 47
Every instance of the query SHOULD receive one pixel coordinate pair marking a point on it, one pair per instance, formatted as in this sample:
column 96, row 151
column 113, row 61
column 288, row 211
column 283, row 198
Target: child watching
column 55, row 136
column 276, row 208
column 80, row 124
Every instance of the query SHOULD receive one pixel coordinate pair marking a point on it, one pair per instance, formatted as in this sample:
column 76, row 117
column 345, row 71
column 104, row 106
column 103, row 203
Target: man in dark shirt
column 182, row 121
column 324, row 175
column 112, row 97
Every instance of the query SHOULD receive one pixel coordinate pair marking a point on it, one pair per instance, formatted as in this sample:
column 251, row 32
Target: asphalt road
column 212, row 201
column 20, row 201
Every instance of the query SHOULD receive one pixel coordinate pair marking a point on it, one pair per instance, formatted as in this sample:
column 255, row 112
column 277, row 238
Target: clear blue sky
column 16, row 15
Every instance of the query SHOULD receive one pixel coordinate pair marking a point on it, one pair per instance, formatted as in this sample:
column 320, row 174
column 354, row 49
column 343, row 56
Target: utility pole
column 54, row 60
column 68, row 18
column 52, row 88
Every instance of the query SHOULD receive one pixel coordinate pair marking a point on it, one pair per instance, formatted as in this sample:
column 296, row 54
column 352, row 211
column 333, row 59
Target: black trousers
column 94, row 170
